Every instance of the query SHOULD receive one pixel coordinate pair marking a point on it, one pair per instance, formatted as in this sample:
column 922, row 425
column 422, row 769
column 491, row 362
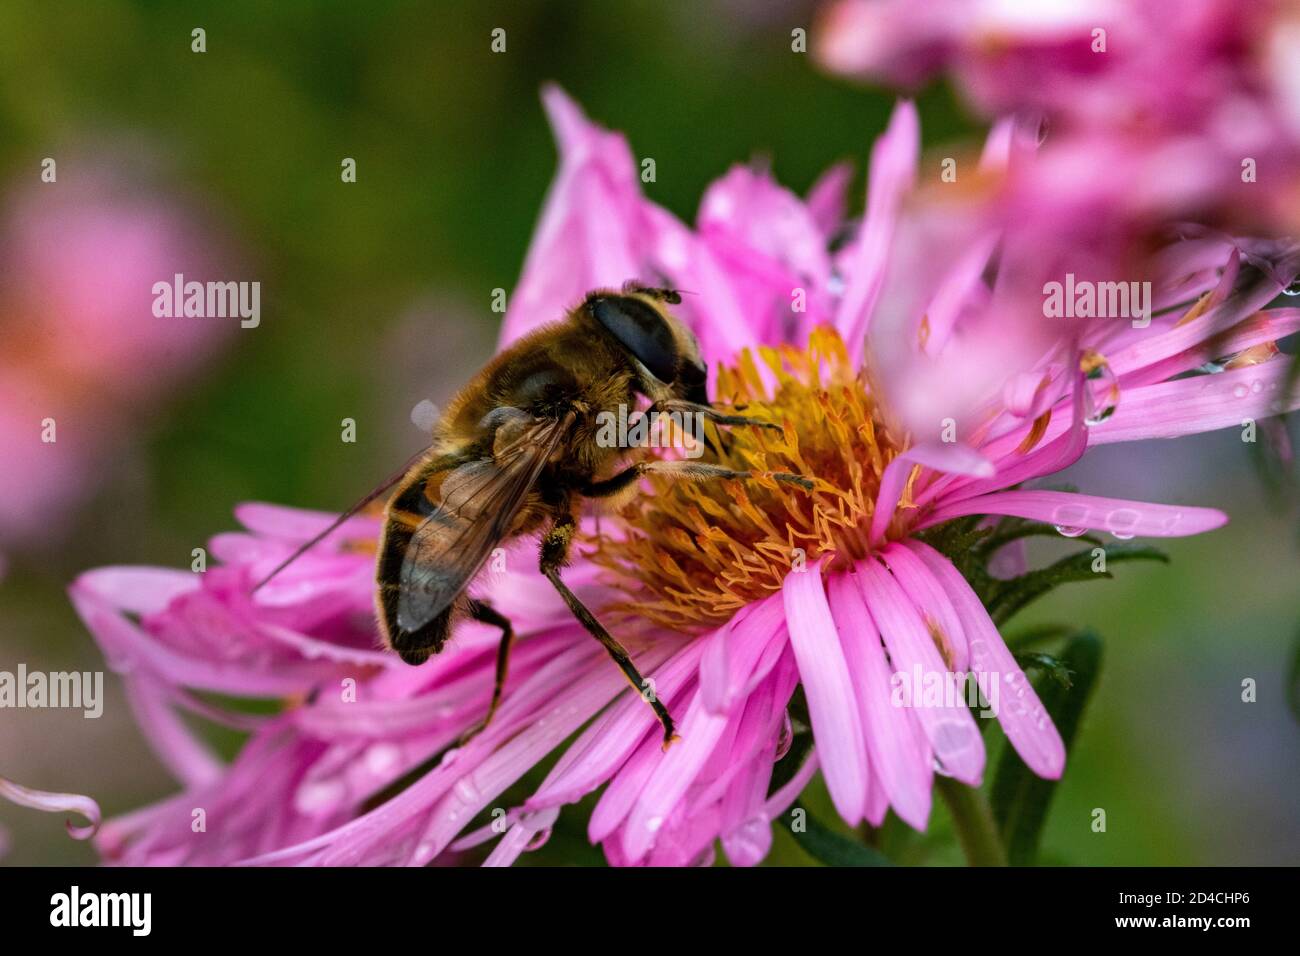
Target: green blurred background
column 376, row 295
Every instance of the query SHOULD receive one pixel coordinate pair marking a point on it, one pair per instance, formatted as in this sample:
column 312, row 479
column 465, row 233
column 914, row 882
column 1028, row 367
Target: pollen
column 689, row 553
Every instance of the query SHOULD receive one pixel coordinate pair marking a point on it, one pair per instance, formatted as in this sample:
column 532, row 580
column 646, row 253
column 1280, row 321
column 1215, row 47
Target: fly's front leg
column 554, row 556
column 680, row 405
column 693, row 470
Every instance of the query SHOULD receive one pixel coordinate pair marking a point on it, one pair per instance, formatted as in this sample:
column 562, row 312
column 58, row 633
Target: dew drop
column 382, row 757
column 1293, row 288
column 466, row 790
column 1070, row 520
column 1122, row 521
column 317, row 796
column 1101, row 393
column 538, row 840
column 1240, row 391
column 706, row 858
column 786, row 737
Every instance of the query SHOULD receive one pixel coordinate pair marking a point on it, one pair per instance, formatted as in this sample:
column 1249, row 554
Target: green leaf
column 1020, row 798
column 1053, row 667
column 1005, row 598
column 825, row 845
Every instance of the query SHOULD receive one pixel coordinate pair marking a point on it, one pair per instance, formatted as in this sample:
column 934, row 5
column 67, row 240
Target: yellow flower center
column 689, row 554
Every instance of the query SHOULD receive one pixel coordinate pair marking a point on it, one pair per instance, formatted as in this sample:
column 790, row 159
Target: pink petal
column 1201, row 403
column 828, row 196
column 836, row 724
column 952, row 457
column 893, row 171
column 611, row 740
column 927, row 595
column 901, row 757
column 184, row 753
column 732, row 652
column 55, row 803
column 1067, row 510
column 138, row 590
column 588, row 233
column 948, row 726
column 1021, row 713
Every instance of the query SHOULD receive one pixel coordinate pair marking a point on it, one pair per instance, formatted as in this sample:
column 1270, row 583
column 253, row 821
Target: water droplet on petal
column 1101, row 390
column 466, row 790
column 319, row 795
column 786, row 737
column 1070, row 519
column 1240, row 391
column 382, row 757
column 707, row 857
column 654, row 823
column 1122, row 521
column 1293, row 288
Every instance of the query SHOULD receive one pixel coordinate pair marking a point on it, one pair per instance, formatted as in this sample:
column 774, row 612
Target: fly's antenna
column 338, row 522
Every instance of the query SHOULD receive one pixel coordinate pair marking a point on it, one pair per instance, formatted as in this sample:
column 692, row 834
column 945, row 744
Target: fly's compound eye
column 642, row 331
column 693, row 379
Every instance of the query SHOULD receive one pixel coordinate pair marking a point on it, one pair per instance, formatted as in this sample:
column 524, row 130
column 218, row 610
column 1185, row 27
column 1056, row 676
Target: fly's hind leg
column 554, row 556
column 480, row 611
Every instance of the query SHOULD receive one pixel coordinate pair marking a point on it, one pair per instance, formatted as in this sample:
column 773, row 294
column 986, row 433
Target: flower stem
column 972, row 818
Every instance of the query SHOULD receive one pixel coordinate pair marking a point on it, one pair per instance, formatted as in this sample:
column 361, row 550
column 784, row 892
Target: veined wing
column 479, row 502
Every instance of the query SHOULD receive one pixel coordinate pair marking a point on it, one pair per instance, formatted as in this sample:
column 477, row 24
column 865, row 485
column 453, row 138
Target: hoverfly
column 516, row 453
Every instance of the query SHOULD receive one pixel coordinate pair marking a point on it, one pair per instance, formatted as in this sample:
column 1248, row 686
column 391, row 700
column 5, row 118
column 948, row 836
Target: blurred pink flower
column 361, row 767
column 1174, row 95
column 79, row 343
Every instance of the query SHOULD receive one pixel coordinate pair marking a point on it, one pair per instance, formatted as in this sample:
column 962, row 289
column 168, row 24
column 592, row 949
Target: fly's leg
column 671, row 405
column 693, row 470
column 554, row 556
column 487, row 614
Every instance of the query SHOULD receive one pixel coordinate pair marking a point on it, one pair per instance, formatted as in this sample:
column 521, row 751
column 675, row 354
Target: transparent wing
column 479, row 502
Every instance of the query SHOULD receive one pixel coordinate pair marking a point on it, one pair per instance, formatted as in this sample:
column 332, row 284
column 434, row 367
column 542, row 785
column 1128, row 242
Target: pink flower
column 1179, row 95
column 76, row 331
column 729, row 595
